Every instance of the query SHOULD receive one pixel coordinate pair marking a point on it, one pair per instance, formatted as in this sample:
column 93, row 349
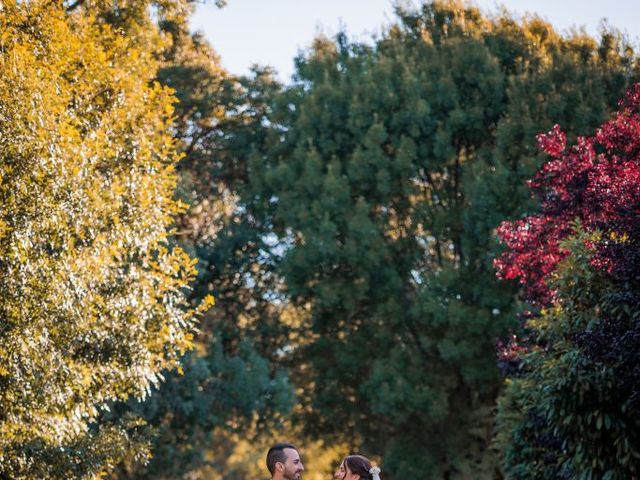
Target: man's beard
column 290, row 475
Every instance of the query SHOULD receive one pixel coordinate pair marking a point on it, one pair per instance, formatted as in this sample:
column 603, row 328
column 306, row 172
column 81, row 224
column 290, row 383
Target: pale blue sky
column 270, row 32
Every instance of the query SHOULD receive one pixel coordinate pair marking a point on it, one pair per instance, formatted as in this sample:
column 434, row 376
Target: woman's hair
column 359, row 465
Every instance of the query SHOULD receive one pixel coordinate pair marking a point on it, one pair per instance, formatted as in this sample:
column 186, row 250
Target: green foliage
column 556, row 419
column 233, row 388
column 92, row 296
column 394, row 166
column 219, row 397
column 571, row 408
column 345, row 225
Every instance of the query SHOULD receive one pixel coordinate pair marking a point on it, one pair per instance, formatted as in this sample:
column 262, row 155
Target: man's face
column 293, row 467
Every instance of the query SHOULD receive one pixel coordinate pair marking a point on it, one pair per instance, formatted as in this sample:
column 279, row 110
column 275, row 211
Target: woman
column 356, row 467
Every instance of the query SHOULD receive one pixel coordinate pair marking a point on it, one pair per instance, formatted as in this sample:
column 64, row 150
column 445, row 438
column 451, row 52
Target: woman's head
column 354, row 467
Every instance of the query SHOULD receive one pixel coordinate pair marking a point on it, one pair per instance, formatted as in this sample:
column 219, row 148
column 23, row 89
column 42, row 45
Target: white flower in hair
column 375, row 473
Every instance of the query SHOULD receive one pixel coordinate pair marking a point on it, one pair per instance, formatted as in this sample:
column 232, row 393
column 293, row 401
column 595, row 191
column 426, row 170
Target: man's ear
column 280, row 466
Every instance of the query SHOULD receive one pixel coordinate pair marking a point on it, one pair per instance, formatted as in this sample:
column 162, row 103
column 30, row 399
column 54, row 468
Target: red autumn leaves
column 595, row 182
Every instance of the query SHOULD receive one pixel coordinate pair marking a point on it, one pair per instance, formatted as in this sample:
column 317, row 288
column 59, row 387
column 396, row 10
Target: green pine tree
column 395, row 164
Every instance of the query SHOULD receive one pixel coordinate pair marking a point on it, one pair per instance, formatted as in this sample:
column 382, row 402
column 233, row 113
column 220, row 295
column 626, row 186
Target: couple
column 284, row 463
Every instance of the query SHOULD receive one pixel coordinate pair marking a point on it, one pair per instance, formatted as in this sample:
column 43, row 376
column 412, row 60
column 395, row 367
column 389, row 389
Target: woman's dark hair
column 359, row 465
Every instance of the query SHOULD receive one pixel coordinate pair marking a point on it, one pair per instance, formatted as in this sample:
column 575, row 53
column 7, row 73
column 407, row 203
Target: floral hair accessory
column 375, row 473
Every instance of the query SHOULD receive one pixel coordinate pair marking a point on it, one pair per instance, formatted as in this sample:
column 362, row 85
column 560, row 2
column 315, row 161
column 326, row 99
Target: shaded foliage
column 394, row 167
column 572, row 412
column 234, row 385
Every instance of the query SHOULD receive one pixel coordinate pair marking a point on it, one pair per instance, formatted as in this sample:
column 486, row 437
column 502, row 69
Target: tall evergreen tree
column 394, row 165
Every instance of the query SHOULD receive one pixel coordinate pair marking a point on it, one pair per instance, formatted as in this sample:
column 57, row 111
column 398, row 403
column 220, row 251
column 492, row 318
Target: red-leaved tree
column 572, row 406
column 596, row 182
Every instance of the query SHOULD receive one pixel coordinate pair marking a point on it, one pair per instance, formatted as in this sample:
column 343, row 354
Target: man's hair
column 276, row 454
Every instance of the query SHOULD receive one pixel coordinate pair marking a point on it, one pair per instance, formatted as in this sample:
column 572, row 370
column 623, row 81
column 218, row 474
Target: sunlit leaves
column 92, row 296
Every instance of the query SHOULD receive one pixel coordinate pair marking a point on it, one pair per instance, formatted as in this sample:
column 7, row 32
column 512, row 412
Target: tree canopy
column 396, row 162
column 92, row 295
column 347, row 224
column 233, row 391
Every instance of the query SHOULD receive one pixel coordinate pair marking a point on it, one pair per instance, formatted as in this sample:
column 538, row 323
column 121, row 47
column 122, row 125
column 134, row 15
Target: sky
column 272, row 32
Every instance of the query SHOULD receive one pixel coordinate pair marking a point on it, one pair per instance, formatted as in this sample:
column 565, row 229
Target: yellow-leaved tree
column 92, row 294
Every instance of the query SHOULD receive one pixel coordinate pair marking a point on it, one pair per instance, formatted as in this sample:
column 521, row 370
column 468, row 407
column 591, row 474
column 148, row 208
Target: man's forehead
column 291, row 453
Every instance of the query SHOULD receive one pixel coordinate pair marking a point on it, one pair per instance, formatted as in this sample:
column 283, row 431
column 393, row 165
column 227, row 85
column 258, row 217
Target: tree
column 393, row 169
column 571, row 408
column 92, row 295
column 233, row 389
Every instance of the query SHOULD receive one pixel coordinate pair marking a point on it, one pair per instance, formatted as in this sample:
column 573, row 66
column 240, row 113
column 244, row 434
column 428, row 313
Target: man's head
column 283, row 462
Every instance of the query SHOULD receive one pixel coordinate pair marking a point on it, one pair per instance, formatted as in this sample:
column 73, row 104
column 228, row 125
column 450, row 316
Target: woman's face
column 343, row 473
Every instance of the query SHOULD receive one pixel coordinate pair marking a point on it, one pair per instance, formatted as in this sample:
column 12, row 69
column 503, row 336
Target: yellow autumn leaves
column 92, row 295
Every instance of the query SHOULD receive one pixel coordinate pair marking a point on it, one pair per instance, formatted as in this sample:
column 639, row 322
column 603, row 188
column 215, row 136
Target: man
column 283, row 462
